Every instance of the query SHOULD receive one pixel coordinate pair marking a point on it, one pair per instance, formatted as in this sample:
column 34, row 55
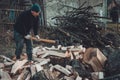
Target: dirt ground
column 6, row 50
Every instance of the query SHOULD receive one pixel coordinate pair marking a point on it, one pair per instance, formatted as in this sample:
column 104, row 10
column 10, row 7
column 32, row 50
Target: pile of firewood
column 50, row 63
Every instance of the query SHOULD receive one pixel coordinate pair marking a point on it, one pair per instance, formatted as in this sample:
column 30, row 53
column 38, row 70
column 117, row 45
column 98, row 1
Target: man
column 114, row 10
column 26, row 21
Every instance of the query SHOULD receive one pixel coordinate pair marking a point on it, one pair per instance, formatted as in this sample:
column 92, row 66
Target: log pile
column 50, row 63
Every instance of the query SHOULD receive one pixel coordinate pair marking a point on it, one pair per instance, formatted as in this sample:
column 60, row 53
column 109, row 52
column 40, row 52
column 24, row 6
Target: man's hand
column 28, row 36
column 37, row 36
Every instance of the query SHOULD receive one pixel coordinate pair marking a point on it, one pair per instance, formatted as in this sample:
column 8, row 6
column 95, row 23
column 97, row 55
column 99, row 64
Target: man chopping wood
column 26, row 21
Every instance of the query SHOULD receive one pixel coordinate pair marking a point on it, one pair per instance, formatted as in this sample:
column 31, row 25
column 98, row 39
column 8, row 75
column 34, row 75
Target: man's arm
column 36, row 26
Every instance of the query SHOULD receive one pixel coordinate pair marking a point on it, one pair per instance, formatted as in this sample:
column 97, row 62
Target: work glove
column 37, row 36
column 28, row 36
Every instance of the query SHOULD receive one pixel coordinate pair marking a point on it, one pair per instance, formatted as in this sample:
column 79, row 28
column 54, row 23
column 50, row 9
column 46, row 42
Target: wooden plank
column 62, row 69
column 18, row 65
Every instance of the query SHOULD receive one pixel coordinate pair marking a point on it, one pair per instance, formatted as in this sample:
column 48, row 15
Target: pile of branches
column 81, row 25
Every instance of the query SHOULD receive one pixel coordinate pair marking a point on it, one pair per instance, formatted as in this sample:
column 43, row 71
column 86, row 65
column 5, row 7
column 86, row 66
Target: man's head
column 35, row 10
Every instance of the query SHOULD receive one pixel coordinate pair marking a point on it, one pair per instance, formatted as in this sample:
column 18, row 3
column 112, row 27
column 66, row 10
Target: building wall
column 60, row 7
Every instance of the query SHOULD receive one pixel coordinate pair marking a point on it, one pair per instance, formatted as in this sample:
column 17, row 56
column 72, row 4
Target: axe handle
column 44, row 40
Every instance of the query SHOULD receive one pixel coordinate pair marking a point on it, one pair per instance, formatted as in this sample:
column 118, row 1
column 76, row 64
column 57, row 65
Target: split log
column 95, row 58
column 1, row 65
column 4, row 75
column 38, row 50
column 44, row 61
column 50, row 75
column 6, row 58
column 8, row 63
column 62, row 69
column 54, row 74
column 40, row 64
column 18, row 65
column 51, row 48
column 38, row 67
column 23, row 75
column 53, row 53
column 28, row 77
column 33, row 70
column 40, row 76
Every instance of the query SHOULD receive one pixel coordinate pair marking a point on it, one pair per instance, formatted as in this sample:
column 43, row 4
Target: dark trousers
column 20, row 40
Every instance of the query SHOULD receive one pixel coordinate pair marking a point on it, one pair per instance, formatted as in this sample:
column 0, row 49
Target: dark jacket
column 25, row 22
